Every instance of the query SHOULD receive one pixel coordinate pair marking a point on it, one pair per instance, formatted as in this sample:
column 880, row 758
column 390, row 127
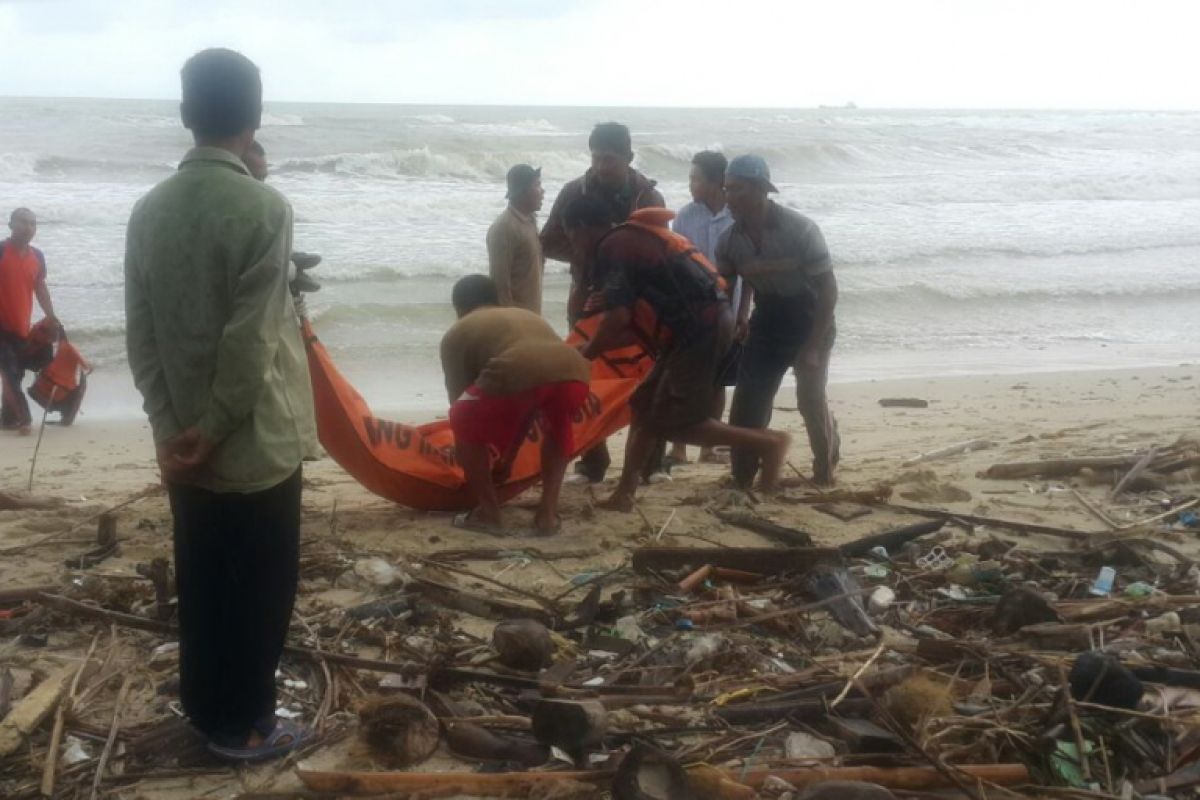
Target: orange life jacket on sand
column 61, row 385
column 415, row 465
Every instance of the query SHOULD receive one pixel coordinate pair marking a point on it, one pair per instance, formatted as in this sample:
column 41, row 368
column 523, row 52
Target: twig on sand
column 50, row 770
column 112, row 736
column 141, row 494
column 41, row 432
column 858, row 673
column 665, row 525
column 1094, row 509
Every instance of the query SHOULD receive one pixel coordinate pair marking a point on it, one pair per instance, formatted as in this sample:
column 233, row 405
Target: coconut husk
column 523, row 644
column 399, row 730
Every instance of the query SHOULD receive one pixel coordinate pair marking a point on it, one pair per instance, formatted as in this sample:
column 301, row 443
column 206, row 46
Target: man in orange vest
column 655, row 288
column 22, row 277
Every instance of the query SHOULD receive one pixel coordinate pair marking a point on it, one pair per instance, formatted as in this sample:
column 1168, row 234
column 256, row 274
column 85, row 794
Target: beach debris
column 778, row 533
column 1102, row 679
column 29, row 712
column 917, row 698
column 845, row 790
column 881, row 600
column 476, row 742
column 399, row 730
column 378, row 572
column 802, row 746
column 647, row 773
column 1021, row 607
column 571, row 726
column 844, row 595
column 1103, row 585
column 764, row 663
column 523, row 644
column 969, row 446
column 903, row 402
column 106, row 544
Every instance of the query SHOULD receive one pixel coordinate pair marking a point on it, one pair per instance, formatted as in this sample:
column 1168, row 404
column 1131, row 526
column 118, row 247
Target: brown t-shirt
column 507, row 351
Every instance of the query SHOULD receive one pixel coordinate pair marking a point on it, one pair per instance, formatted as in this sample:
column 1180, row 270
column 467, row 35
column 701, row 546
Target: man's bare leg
column 554, row 469
column 770, row 446
column 678, row 453
column 638, row 450
column 477, row 467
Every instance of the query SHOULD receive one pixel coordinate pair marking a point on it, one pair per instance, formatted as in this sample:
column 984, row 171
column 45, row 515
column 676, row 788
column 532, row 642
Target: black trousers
column 14, row 408
column 779, row 329
column 236, row 566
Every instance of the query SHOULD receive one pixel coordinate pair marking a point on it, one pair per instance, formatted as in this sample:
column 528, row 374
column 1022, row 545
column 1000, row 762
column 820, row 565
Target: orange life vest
column 655, row 221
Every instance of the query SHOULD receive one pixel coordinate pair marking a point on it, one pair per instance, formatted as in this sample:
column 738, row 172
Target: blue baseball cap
column 751, row 168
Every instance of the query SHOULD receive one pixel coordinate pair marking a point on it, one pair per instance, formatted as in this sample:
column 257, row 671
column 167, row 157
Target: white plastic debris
column 881, row 599
column 164, row 652
column 74, row 752
column 703, row 648
column 378, row 572
column 627, row 628
column 801, row 746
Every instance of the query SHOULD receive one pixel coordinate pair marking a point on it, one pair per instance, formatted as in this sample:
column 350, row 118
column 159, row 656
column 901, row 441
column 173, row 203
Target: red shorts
column 499, row 420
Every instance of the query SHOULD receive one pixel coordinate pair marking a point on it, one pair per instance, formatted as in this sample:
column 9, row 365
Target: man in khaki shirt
column 514, row 251
column 215, row 350
column 506, row 370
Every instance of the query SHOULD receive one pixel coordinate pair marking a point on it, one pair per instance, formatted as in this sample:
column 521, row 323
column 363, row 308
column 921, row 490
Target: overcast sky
column 790, row 53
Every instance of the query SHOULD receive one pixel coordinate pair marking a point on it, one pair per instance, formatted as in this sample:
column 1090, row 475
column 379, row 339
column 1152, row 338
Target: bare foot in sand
column 546, row 524
column 24, row 430
column 772, row 467
column 618, row 502
column 679, row 454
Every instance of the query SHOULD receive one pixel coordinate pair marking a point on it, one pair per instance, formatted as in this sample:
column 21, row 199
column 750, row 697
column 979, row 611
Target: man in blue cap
column 784, row 262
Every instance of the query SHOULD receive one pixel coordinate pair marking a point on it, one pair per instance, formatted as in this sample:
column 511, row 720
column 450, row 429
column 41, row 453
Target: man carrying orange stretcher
column 506, row 371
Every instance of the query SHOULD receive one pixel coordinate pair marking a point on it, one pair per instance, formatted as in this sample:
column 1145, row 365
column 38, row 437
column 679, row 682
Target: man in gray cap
column 782, row 258
column 515, row 260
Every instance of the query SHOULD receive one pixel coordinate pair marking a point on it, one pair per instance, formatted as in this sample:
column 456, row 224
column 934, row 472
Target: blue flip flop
column 285, row 738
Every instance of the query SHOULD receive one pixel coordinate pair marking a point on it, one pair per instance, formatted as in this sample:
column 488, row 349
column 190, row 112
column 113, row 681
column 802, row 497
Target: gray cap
column 751, row 168
column 520, row 178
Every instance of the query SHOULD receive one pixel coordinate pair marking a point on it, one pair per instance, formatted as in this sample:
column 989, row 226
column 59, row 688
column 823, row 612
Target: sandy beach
column 94, row 466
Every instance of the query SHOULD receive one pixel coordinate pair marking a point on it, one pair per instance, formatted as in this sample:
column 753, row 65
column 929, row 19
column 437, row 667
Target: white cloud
column 914, row 53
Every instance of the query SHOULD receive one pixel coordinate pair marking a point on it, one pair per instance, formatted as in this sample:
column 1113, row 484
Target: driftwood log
column 510, row 783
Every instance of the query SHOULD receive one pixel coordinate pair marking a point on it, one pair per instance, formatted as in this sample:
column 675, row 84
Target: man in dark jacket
column 623, row 190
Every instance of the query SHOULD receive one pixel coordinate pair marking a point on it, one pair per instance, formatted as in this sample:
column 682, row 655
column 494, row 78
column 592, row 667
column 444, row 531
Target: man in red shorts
column 505, row 369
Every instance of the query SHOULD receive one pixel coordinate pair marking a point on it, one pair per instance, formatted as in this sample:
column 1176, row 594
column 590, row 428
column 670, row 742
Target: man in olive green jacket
column 215, row 349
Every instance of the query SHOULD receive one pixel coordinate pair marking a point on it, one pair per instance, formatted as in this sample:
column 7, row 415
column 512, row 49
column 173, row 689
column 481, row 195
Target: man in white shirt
column 703, row 221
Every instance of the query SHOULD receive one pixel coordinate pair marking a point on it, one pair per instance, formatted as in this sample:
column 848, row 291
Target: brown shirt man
column 515, row 260
column 507, row 351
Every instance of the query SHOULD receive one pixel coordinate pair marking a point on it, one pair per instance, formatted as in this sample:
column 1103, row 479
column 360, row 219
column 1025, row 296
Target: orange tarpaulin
column 415, row 465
